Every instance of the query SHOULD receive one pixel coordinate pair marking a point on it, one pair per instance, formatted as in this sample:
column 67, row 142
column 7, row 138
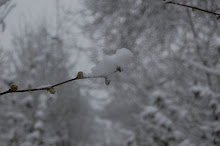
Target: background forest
column 169, row 96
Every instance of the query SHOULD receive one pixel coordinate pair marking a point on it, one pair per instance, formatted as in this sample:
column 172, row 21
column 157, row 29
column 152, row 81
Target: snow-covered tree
column 44, row 119
column 170, row 97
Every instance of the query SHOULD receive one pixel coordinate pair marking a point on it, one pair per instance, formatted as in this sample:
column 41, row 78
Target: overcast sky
column 31, row 11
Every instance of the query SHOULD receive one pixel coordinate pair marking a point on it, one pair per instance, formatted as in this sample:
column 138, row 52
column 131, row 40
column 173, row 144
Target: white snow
column 39, row 125
column 203, row 68
column 150, row 110
column 109, row 63
column 34, row 135
column 42, row 102
column 39, row 114
column 39, row 58
column 27, row 99
column 203, row 90
column 178, row 134
column 163, row 120
column 186, row 142
column 158, row 93
column 16, row 115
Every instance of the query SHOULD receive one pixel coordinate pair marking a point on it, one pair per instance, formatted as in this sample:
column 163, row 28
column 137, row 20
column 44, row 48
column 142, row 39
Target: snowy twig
column 109, row 65
column 203, row 68
column 193, row 8
column 52, row 86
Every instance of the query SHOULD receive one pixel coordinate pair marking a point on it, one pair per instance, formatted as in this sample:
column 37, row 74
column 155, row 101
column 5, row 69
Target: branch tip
column 193, row 8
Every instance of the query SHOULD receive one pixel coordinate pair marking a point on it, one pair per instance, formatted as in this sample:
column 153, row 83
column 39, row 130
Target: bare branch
column 194, row 8
column 203, row 68
column 7, row 10
column 2, row 2
column 49, row 87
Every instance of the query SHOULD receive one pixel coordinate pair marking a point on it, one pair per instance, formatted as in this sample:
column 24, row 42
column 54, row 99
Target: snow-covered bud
column 52, row 90
column 80, row 75
column 14, row 87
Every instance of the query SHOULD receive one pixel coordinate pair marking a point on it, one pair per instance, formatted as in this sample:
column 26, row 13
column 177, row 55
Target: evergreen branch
column 193, row 8
column 79, row 76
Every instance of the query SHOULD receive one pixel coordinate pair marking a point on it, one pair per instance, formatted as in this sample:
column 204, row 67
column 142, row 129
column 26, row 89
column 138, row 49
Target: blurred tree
column 42, row 119
column 171, row 96
column 6, row 73
column 5, row 8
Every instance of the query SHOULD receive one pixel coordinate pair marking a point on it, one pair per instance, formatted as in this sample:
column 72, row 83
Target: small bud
column 52, row 90
column 107, row 82
column 14, row 87
column 80, row 75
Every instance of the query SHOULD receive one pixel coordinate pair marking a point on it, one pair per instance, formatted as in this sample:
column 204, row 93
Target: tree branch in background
column 7, row 9
column 2, row 2
column 203, row 68
column 193, row 8
column 49, row 88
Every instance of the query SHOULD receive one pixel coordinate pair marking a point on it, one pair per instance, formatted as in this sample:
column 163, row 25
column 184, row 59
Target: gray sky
column 25, row 10
column 31, row 11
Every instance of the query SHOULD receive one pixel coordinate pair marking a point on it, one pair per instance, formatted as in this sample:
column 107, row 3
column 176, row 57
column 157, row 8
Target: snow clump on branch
column 109, row 64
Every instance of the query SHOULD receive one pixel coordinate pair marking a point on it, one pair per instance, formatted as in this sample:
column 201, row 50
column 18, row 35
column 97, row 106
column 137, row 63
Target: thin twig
column 194, row 8
column 3, row 2
column 8, row 9
column 49, row 87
